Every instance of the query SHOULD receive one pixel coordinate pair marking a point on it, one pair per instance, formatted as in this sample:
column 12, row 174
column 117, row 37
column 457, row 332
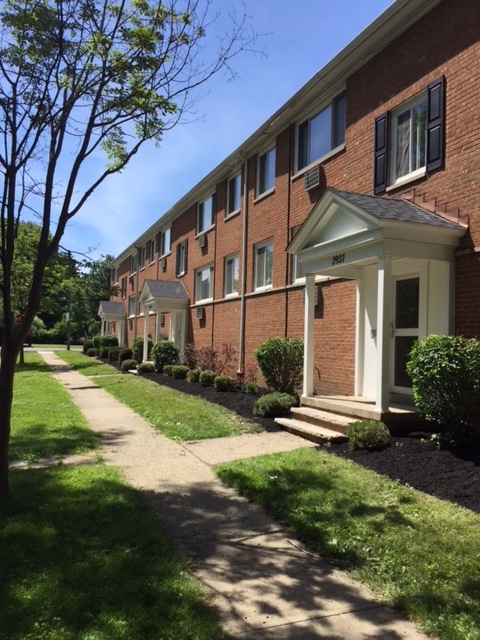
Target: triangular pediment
column 331, row 219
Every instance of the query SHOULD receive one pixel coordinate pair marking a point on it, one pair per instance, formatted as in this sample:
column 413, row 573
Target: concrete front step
column 320, row 418
column 310, row 432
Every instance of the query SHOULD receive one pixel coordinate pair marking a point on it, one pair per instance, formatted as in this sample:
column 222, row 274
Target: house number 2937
column 338, row 259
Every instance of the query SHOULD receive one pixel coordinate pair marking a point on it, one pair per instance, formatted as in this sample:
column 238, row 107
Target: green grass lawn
column 44, row 420
column 176, row 415
column 81, row 557
column 421, row 554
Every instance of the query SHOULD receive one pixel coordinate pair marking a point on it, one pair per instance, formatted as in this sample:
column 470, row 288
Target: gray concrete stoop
column 323, row 419
column 263, row 583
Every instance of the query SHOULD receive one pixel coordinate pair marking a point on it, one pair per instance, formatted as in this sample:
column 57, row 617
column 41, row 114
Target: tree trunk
column 7, row 372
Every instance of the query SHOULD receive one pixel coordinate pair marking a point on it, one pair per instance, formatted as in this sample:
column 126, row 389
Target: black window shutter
column 186, row 254
column 380, row 156
column 177, row 260
column 436, row 124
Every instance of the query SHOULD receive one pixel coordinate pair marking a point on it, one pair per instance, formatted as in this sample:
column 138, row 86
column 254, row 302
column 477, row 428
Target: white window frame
column 153, row 247
column 123, row 288
column 331, row 112
column 143, row 257
column 165, row 242
column 411, row 174
column 231, row 275
column 181, row 268
column 200, row 274
column 260, row 261
column 132, row 301
column 202, row 223
column 115, row 271
column 266, row 172
column 134, row 263
column 234, row 194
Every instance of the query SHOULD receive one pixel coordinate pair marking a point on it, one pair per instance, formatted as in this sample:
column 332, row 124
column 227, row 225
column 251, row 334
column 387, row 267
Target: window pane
column 339, row 117
column 403, row 144
column 260, row 267
column 166, row 241
column 231, row 275
column 268, row 264
column 303, row 144
column 419, row 119
column 407, row 303
column 320, row 134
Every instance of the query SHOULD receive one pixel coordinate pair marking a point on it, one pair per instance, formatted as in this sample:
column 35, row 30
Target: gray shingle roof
column 164, row 289
column 112, row 308
column 395, row 209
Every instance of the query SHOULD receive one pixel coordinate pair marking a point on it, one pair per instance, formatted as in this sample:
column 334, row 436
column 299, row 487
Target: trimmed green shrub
column 224, row 383
column 168, row 370
column 207, row 378
column 367, row 434
column 281, row 363
column 273, row 405
column 129, row 365
column 137, row 349
column 96, row 341
column 88, row 344
column 92, row 352
column 164, row 353
column 125, row 354
column 104, row 352
column 193, row 375
column 145, row 367
column 108, row 341
column 180, row 371
column 113, row 354
column 250, row 388
column 445, row 373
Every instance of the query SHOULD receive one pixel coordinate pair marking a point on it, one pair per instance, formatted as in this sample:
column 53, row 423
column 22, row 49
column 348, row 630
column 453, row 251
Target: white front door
column 405, row 329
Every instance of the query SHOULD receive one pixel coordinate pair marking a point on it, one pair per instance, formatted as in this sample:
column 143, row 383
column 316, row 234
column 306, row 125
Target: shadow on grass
column 36, row 366
column 80, row 555
column 42, row 439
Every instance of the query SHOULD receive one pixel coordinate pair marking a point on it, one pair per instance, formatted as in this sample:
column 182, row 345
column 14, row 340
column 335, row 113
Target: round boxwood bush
column 180, row 371
column 207, row 378
column 92, row 352
column 193, row 375
column 145, row 367
column 108, row 341
column 250, row 388
column 367, row 434
column 88, row 344
column 113, row 354
column 129, row 365
column 273, row 405
column 125, row 354
column 104, row 352
column 164, row 353
column 168, row 370
column 224, row 383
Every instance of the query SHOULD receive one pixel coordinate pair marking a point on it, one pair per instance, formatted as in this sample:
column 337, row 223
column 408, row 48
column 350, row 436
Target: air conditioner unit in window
column 163, row 263
column 312, row 178
column 199, row 313
column 201, row 240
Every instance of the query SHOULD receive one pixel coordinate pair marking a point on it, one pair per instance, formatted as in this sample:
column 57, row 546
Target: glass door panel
column 405, row 328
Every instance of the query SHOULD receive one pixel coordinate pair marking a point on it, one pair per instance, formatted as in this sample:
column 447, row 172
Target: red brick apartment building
column 351, row 218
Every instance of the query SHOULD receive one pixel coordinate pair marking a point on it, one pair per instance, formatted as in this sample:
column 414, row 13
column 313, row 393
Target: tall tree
column 78, row 77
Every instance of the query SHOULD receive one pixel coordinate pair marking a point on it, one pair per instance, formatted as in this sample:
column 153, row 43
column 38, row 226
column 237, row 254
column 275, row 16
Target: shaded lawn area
column 44, row 420
column 421, row 554
column 176, row 415
column 81, row 558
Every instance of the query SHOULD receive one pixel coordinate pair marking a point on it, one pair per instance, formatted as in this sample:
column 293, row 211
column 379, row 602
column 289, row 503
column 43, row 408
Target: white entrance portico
column 161, row 297
column 112, row 313
column 402, row 259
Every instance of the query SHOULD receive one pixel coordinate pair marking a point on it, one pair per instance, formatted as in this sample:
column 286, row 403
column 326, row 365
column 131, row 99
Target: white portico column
column 384, row 329
column 308, row 335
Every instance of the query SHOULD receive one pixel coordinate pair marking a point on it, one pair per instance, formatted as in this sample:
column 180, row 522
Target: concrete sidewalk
column 265, row 585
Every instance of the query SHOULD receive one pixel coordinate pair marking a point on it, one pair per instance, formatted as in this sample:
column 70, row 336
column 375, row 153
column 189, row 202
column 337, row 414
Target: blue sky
column 300, row 38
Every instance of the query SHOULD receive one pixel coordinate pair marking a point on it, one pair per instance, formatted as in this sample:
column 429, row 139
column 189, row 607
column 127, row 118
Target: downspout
column 241, row 341
column 137, row 306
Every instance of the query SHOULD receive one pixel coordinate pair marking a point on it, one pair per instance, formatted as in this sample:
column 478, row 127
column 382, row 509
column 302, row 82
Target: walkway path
column 265, row 585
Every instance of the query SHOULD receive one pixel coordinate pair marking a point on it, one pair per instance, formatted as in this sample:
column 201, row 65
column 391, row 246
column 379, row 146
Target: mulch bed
column 413, row 458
